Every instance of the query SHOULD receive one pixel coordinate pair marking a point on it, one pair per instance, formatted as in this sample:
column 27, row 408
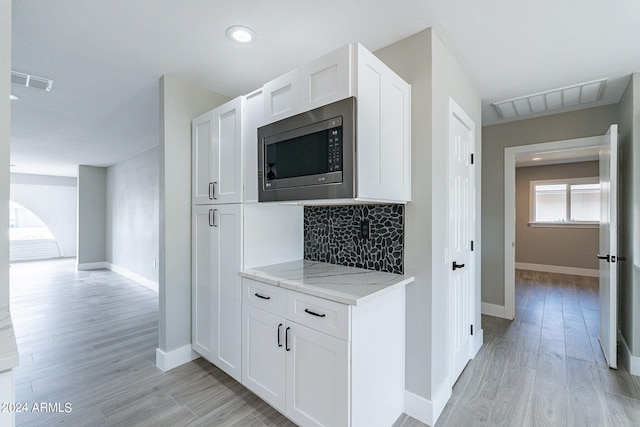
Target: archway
column 29, row 237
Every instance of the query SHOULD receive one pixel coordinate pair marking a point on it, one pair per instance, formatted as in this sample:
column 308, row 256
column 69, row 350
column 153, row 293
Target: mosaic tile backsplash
column 332, row 234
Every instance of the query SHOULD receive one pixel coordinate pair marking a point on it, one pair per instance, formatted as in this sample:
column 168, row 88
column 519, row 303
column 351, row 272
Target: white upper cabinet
column 383, row 106
column 217, row 155
column 384, row 131
column 202, row 158
column 326, row 80
column 282, row 96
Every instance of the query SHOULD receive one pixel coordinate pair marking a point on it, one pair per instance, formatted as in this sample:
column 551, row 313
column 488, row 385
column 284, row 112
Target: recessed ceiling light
column 240, row 34
column 14, row 97
column 536, row 158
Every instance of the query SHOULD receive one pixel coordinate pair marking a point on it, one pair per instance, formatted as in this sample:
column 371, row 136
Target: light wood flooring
column 89, row 338
column 546, row 367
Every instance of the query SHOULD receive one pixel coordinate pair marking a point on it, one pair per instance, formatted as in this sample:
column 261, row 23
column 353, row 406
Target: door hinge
column 471, row 158
column 472, row 246
column 471, row 329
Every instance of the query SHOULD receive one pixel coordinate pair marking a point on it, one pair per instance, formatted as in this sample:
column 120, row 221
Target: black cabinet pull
column 456, row 266
column 606, row 257
column 306, row 310
column 261, row 296
column 286, row 339
column 279, row 343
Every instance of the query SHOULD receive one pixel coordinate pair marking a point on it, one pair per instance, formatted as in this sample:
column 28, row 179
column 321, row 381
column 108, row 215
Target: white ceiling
column 106, row 57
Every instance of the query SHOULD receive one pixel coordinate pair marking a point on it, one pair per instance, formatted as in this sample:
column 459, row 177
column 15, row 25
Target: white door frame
column 510, row 154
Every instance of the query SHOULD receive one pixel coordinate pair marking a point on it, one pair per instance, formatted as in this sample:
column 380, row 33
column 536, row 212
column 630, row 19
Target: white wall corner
column 424, row 410
column 91, row 266
column 174, row 358
column 148, row 283
column 493, row 310
column 629, row 360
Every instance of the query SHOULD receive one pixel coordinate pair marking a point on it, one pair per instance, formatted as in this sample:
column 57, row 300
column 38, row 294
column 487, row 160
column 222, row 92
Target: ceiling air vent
column 28, row 80
column 582, row 93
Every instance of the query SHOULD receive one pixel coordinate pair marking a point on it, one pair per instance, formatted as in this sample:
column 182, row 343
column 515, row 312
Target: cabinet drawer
column 264, row 296
column 320, row 314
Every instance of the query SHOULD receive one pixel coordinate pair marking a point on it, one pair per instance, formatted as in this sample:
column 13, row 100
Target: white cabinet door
column 282, row 96
column 327, row 79
column 317, row 377
column 252, row 120
column 384, row 140
column 217, row 155
column 216, row 286
column 201, row 280
column 202, row 132
column 227, row 152
column 263, row 355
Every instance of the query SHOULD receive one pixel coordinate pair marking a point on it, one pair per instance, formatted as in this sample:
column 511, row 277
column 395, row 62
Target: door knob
column 456, row 266
column 603, row 257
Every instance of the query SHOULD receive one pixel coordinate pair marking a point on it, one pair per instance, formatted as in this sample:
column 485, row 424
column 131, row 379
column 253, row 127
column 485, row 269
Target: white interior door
column 608, row 246
column 461, row 231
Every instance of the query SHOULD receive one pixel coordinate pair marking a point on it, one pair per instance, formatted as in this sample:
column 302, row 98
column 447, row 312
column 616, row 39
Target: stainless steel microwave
column 310, row 156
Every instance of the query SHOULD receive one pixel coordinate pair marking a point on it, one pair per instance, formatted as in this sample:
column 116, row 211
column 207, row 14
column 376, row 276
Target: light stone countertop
column 347, row 285
column 8, row 347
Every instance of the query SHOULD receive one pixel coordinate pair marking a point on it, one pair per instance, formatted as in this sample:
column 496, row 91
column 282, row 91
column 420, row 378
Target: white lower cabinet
column 317, row 377
column 216, row 287
column 263, row 357
column 297, row 356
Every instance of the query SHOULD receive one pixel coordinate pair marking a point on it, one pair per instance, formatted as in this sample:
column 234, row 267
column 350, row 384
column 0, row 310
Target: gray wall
column 132, row 204
column 5, row 138
column 629, row 215
column 575, row 124
column 566, row 247
column 54, row 199
column 180, row 102
column 423, row 61
column 92, row 183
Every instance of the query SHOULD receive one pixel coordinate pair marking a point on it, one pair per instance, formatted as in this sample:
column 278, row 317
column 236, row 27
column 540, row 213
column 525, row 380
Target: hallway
column 545, row 368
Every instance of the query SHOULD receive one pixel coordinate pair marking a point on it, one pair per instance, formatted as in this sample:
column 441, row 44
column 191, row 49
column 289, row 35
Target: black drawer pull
column 279, row 343
column 306, row 310
column 286, row 339
column 261, row 296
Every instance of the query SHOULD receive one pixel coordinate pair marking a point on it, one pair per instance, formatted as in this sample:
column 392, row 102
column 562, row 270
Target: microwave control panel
column 334, row 162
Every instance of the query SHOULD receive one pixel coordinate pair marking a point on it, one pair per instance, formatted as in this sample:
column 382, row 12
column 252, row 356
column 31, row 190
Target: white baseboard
column 424, row 410
column 91, row 266
column 174, row 358
column 148, row 283
column 133, row 276
column 418, row 407
column 558, row 269
column 493, row 310
column 630, row 361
